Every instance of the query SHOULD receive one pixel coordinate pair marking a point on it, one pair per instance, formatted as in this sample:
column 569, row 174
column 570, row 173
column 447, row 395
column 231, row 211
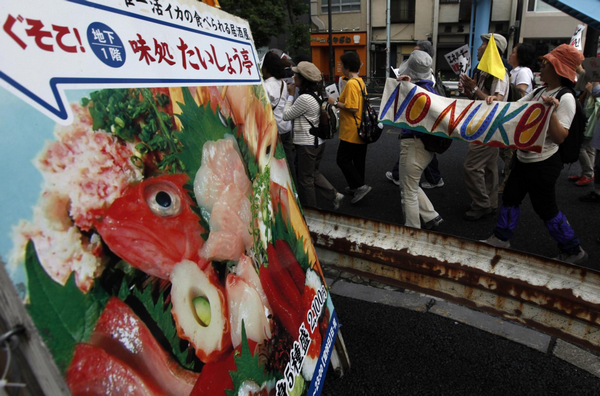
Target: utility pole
column 331, row 53
column 387, row 39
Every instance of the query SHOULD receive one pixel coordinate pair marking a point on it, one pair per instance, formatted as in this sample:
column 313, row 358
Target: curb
column 348, row 285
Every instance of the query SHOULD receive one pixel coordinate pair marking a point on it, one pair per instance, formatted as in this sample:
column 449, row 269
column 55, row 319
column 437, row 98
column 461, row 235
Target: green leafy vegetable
column 133, row 113
column 199, row 125
column 247, row 367
column 161, row 315
column 64, row 315
column 282, row 230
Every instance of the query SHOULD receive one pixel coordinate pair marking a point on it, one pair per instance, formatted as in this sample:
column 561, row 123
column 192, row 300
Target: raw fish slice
column 221, row 167
column 245, row 270
column 120, row 332
column 94, row 372
column 222, row 245
column 245, row 304
column 225, row 218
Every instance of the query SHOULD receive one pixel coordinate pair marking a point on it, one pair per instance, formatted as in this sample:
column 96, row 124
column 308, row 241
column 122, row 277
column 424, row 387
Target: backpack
column 569, row 148
column 514, row 93
column 439, row 86
column 370, row 128
column 328, row 120
column 435, row 144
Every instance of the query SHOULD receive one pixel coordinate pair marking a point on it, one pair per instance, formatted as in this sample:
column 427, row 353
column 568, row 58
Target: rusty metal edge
column 363, row 239
column 33, row 358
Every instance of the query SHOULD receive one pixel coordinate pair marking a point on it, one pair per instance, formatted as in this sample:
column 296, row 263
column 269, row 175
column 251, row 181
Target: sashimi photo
column 167, row 253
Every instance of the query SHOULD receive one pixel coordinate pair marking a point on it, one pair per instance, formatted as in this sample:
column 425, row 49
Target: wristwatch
column 335, row 103
column 475, row 90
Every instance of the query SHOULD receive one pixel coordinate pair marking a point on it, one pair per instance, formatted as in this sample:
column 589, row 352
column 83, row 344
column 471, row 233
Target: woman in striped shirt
column 305, row 110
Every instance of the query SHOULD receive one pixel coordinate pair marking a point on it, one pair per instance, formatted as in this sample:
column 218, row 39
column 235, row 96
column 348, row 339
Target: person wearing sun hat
column 536, row 173
column 481, row 162
column 414, row 158
column 306, row 110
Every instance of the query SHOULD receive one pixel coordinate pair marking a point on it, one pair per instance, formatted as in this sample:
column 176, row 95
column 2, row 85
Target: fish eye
column 163, row 199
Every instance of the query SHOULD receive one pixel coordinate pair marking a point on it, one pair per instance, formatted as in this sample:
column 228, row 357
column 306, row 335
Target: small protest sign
column 459, row 59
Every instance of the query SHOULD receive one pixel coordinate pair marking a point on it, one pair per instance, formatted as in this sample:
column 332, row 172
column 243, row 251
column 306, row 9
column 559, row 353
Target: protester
column 273, row 71
column 587, row 153
column 352, row 151
column 432, row 174
column 536, row 173
column 481, row 162
column 593, row 143
column 414, row 158
column 521, row 59
column 309, row 149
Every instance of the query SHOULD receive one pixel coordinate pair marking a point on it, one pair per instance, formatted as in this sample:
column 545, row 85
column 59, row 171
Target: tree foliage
column 270, row 18
column 266, row 17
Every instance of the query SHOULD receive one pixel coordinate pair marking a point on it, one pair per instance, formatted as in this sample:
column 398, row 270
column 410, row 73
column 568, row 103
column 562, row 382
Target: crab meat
column 189, row 282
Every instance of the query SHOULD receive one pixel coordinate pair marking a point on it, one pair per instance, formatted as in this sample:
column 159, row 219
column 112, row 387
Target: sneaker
column 574, row 178
column 572, row 258
column 584, row 181
column 496, row 242
column 360, row 193
column 592, row 196
column 390, row 177
column 433, row 224
column 349, row 191
column 476, row 214
column 426, row 184
column 337, row 200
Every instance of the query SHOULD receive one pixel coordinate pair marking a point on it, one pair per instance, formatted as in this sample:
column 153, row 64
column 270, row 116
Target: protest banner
column 459, row 59
column 592, row 68
column 156, row 241
column 518, row 125
column 576, row 39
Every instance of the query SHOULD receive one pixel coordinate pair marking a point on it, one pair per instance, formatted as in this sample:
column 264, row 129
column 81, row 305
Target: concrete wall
column 344, row 20
column 547, row 25
column 449, row 13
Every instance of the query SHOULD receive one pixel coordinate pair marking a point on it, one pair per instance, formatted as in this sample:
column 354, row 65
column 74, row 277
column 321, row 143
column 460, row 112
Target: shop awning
column 584, row 10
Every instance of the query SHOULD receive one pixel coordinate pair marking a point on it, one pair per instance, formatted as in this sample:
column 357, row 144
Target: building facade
column 360, row 25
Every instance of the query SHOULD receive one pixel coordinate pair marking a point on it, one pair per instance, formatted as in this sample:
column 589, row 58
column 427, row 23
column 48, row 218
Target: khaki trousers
column 481, row 176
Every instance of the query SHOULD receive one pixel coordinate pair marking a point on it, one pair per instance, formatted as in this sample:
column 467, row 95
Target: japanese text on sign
column 180, row 13
column 300, row 346
column 459, row 59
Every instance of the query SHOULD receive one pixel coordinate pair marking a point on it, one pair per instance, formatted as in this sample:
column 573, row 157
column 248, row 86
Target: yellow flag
column 491, row 62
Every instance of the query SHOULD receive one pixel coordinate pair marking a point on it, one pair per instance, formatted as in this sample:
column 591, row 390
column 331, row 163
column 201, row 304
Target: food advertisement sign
column 150, row 223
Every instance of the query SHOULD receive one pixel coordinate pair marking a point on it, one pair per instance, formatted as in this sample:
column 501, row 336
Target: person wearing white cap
column 306, row 110
column 481, row 162
column 414, row 158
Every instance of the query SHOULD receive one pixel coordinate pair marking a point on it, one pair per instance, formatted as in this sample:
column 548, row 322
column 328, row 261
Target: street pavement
column 400, row 351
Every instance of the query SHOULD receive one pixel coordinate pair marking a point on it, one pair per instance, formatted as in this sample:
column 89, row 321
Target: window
column 402, row 11
column 540, row 6
column 341, row 6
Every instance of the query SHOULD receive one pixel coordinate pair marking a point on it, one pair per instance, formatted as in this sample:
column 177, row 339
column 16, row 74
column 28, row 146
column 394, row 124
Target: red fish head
column 152, row 226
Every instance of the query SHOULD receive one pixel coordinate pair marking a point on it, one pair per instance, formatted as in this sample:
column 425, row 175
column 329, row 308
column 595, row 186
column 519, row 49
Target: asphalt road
column 452, row 200
column 394, row 351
